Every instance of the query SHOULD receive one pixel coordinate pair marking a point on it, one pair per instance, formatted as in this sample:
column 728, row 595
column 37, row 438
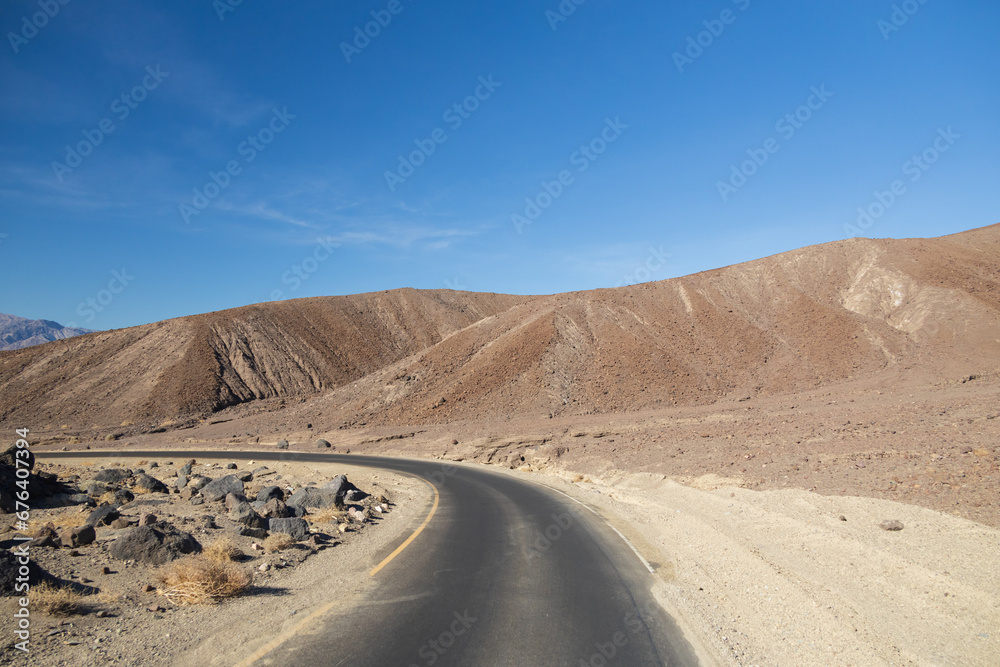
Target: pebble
column 893, row 525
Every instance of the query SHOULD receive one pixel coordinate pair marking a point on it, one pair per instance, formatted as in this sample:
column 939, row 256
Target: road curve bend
column 504, row 572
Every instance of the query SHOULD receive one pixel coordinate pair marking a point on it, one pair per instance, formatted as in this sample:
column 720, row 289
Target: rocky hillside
column 794, row 321
column 802, row 319
column 192, row 366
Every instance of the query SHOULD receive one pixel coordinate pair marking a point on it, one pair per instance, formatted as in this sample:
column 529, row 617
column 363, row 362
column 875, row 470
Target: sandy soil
column 300, row 581
column 790, row 577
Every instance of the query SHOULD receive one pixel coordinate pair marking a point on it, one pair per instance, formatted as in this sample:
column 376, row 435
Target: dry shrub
column 198, row 580
column 67, row 520
column 56, row 601
column 278, row 542
column 326, row 515
column 107, row 498
column 223, row 550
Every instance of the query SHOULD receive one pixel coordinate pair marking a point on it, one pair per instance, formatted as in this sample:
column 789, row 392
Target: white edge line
column 624, row 539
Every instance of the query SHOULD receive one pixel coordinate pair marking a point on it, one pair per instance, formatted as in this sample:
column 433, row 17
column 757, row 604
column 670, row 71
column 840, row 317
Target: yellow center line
column 437, row 497
column 291, row 632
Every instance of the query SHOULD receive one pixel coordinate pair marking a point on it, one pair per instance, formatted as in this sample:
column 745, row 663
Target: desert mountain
column 192, row 366
column 19, row 332
column 805, row 318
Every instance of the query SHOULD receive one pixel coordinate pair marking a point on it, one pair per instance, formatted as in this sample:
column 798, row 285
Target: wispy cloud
column 402, row 236
column 263, row 211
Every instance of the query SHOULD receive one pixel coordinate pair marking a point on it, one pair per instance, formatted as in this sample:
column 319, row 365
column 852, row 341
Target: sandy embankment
column 777, row 577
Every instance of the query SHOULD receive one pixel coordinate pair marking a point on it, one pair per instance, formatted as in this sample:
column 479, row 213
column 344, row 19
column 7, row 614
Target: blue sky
column 589, row 148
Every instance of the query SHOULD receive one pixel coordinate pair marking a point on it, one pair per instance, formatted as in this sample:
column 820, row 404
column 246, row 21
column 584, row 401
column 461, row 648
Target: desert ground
column 807, row 446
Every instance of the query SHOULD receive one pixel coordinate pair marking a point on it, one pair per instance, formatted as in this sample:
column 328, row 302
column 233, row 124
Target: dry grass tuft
column 278, row 542
column 326, row 515
column 64, row 520
column 223, row 550
column 198, row 580
column 56, row 601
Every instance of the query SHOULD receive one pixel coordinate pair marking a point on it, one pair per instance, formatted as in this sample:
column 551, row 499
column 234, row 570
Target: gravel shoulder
column 119, row 626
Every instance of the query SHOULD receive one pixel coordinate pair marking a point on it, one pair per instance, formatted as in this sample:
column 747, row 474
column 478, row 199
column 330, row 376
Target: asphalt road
column 505, row 573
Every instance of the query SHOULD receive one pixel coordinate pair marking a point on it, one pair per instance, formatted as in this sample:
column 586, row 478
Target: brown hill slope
column 801, row 319
column 191, row 366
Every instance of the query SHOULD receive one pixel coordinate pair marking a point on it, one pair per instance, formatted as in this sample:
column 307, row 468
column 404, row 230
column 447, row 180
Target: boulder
column 98, row 489
column 10, row 571
column 186, row 469
column 120, row 522
column 123, row 496
column 298, row 529
column 245, row 476
column 198, row 482
column 339, row 485
column 8, row 475
column 77, row 537
column 230, row 466
column 78, row 499
column 245, row 515
column 113, row 475
column 269, row 492
column 323, row 444
column 181, row 481
column 256, row 533
column 220, row 488
column 355, row 496
column 276, row 509
column 233, row 500
column 282, row 444
column 146, row 484
column 46, row 537
column 103, row 516
column 9, row 457
column 296, row 510
column 154, row 545
column 311, row 496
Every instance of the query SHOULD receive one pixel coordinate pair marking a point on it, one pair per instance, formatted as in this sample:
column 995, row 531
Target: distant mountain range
column 18, row 332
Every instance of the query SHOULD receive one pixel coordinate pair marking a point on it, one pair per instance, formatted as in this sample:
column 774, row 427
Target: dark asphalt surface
column 505, row 573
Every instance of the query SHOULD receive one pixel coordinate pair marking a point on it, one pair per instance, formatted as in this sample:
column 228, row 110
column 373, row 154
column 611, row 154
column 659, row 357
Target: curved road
column 504, row 573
